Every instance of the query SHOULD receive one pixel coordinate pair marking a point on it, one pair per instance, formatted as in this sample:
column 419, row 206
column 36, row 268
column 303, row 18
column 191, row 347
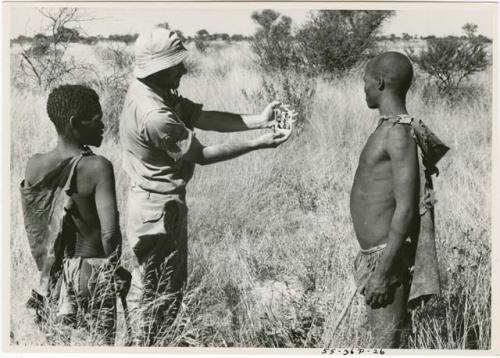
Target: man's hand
column 231, row 122
column 272, row 140
column 200, row 154
column 376, row 290
column 267, row 115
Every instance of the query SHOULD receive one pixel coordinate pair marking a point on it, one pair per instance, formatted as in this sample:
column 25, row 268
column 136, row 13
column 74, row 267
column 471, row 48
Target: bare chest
column 373, row 158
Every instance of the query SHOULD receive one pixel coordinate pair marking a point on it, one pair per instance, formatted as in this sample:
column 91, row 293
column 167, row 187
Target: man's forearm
column 111, row 243
column 228, row 122
column 221, row 152
column 398, row 232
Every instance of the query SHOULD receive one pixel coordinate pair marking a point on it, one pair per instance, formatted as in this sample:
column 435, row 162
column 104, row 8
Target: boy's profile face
column 372, row 93
column 91, row 130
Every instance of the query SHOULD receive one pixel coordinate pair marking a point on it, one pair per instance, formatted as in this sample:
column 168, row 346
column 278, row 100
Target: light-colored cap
column 157, row 49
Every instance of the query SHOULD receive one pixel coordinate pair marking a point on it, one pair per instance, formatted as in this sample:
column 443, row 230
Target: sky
column 106, row 21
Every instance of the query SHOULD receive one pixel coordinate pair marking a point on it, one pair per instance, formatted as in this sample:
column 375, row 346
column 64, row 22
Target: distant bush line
column 130, row 38
column 74, row 37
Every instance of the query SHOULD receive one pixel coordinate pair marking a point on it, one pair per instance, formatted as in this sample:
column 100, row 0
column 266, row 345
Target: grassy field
column 271, row 240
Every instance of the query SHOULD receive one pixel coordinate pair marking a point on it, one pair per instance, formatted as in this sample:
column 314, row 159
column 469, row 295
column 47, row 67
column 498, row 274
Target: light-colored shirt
column 156, row 131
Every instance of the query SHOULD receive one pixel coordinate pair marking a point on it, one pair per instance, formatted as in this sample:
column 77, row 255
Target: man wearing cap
column 160, row 151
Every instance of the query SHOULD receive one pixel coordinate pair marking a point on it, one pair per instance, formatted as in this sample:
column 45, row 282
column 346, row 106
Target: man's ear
column 73, row 123
column 380, row 84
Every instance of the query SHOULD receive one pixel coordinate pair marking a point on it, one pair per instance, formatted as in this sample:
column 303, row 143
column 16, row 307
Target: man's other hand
column 267, row 115
column 272, row 140
column 376, row 290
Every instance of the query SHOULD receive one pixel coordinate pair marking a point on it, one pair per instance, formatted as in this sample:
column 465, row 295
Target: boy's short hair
column 65, row 101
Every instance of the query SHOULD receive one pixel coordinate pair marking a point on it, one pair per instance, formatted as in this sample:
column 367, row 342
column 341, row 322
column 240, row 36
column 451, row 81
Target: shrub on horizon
column 451, row 60
column 273, row 42
column 335, row 41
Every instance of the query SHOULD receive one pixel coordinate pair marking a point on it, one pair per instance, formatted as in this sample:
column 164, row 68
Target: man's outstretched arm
column 203, row 155
column 231, row 122
column 402, row 150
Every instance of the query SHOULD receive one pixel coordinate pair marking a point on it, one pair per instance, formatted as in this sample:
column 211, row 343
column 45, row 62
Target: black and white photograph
column 249, row 175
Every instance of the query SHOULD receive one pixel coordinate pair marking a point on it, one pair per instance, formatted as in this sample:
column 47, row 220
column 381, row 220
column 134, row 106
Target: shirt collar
column 168, row 96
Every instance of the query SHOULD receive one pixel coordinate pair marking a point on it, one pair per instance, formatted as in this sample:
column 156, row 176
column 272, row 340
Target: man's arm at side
column 107, row 210
column 231, row 122
column 402, row 150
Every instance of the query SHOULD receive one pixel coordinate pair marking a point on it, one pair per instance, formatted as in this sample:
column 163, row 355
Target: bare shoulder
column 35, row 167
column 95, row 168
column 399, row 140
column 34, row 160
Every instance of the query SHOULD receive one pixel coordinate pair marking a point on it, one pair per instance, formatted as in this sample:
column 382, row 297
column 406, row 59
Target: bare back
column 373, row 199
column 84, row 213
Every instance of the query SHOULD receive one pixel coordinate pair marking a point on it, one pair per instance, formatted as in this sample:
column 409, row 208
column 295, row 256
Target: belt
column 373, row 249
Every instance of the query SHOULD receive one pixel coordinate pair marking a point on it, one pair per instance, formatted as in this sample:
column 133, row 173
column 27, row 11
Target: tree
column 21, row 39
column 164, row 25
column 470, row 30
column 44, row 61
column 201, row 40
column 336, row 40
column 202, row 33
column 127, row 38
column 406, row 36
column 225, row 37
column 237, row 37
column 273, row 41
column 451, row 60
column 65, row 34
column 278, row 52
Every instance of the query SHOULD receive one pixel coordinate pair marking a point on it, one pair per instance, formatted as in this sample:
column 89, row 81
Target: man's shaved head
column 394, row 68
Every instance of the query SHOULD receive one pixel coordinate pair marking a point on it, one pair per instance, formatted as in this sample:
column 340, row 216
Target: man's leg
column 165, row 275
column 387, row 323
column 172, row 280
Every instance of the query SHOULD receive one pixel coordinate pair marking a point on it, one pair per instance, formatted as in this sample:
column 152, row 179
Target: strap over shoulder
column 433, row 149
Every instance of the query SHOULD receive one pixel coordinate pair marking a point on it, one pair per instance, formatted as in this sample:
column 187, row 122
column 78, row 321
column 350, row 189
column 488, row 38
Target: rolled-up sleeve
column 168, row 134
column 188, row 110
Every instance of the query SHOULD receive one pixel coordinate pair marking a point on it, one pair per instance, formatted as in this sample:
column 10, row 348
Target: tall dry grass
column 271, row 242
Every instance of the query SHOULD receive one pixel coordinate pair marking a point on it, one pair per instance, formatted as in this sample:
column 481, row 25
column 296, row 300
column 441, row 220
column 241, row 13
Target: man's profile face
column 170, row 78
column 372, row 93
column 91, row 130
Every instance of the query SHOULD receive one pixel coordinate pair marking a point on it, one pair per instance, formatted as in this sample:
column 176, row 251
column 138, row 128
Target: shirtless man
column 385, row 200
column 71, row 216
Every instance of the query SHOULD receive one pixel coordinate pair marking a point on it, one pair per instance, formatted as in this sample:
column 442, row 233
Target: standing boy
column 391, row 203
column 71, row 219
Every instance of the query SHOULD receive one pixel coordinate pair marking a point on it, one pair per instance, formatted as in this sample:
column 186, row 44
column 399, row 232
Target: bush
column 331, row 41
column 201, row 44
column 39, row 47
column 116, row 56
column 112, row 83
column 45, row 63
column 450, row 60
column 273, row 42
column 127, row 38
column 291, row 88
column 336, row 40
